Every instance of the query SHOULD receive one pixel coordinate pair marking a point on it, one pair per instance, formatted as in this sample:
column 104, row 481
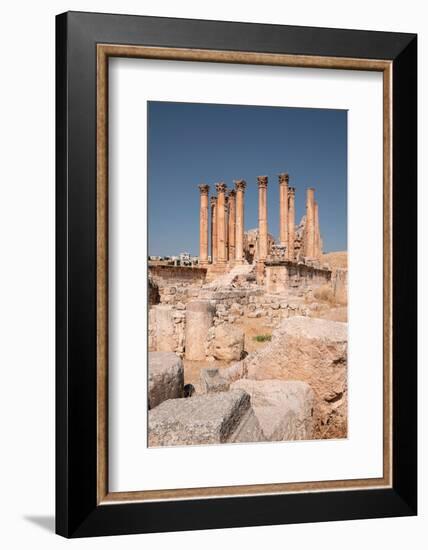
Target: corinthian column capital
column 221, row 187
column 283, row 178
column 204, row 189
column 240, row 185
column 262, row 181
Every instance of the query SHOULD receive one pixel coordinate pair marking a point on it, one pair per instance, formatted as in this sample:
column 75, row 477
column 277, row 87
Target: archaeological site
column 249, row 343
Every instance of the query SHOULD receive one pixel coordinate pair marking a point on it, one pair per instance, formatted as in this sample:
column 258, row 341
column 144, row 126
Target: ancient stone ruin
column 250, row 344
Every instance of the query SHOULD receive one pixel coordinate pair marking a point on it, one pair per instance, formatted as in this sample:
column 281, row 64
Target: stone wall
column 282, row 276
column 175, row 285
column 164, row 274
column 167, row 328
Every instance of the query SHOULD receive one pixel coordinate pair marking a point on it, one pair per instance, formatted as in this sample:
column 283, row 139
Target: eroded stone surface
column 161, row 321
column 166, row 377
column 212, row 381
column 284, row 409
column 213, row 418
column 226, row 343
column 311, row 350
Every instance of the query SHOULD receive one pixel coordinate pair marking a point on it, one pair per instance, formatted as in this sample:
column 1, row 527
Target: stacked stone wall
column 163, row 274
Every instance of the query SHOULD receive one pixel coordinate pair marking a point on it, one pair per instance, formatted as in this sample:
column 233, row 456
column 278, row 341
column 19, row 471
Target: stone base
column 215, row 270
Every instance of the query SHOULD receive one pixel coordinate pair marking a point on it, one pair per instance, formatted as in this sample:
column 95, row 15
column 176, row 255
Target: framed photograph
column 236, row 274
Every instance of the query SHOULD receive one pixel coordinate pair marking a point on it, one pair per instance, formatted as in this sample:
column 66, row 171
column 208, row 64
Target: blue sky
column 190, row 143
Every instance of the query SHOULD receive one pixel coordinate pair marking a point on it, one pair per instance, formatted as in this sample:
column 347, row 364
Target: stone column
column 203, row 225
column 240, row 226
column 263, row 227
column 226, row 225
column 221, row 223
column 213, row 230
column 317, row 244
column 232, row 225
column 283, row 209
column 310, row 226
column 262, row 182
column 291, row 222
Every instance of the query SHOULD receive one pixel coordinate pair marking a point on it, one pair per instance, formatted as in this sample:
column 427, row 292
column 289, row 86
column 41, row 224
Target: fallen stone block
column 166, row 377
column 285, row 410
column 225, row 417
column 212, row 381
column 313, row 351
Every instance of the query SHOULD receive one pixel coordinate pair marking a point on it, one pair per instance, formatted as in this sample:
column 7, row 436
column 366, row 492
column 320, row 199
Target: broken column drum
column 199, row 318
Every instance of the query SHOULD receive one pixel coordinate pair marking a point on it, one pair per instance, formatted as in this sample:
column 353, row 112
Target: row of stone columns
column 286, row 215
column 227, row 224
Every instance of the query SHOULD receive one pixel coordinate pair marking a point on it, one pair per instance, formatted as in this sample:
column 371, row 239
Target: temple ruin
column 221, row 223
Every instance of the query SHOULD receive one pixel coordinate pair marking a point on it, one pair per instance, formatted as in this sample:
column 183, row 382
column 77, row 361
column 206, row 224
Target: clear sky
column 191, row 143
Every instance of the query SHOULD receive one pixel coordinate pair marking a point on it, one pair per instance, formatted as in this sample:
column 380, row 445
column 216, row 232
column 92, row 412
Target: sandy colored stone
column 284, row 409
column 226, row 343
column 340, row 285
column 161, row 321
column 203, row 224
column 291, row 222
column 166, row 377
column 199, row 318
column 225, row 417
column 311, row 350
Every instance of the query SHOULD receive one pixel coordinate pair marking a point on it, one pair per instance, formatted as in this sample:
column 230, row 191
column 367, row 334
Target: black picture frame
column 77, row 511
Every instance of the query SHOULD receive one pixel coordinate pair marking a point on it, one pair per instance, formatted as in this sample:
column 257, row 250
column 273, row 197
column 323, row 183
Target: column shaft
column 226, row 225
column 310, row 226
column 283, row 209
column 203, row 224
column 221, row 223
column 213, row 230
column 317, row 232
column 291, row 223
column 240, row 225
column 263, row 227
column 232, row 225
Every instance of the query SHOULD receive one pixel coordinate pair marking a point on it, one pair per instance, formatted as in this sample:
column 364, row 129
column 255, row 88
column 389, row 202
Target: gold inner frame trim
column 104, row 51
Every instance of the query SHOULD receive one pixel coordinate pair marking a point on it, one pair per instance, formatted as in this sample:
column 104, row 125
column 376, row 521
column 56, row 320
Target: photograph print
column 247, row 274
